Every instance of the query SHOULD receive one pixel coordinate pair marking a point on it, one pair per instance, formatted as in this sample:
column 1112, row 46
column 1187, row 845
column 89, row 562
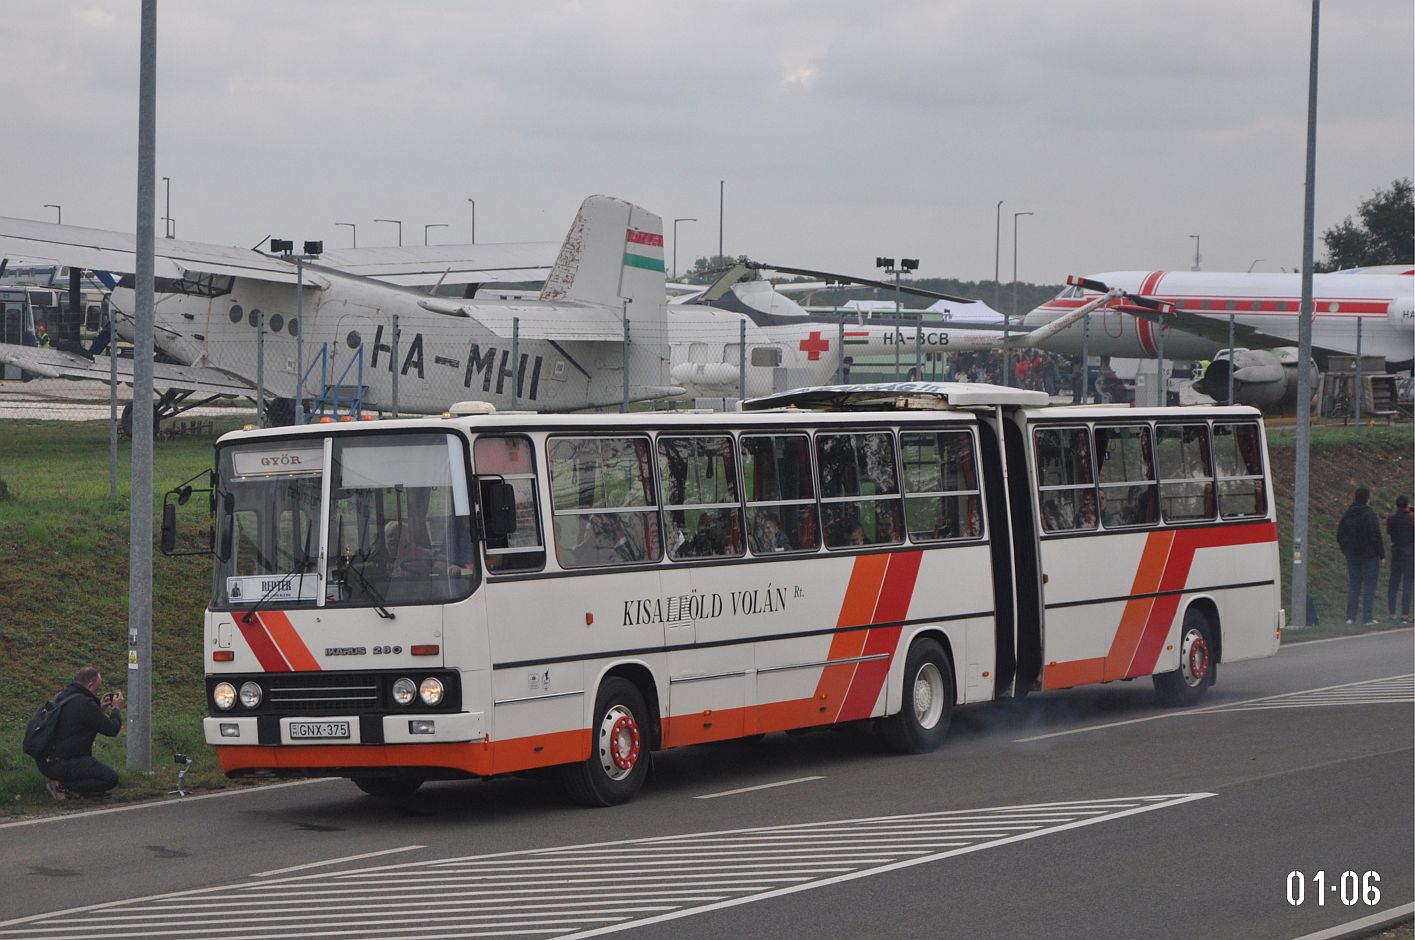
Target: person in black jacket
column 1400, row 526
column 1359, row 537
column 70, row 765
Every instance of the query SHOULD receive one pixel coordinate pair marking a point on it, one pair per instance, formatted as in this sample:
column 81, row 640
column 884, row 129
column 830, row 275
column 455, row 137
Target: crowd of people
column 1040, row 371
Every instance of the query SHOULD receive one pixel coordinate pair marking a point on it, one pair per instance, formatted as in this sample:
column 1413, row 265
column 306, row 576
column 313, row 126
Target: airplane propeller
column 1135, row 304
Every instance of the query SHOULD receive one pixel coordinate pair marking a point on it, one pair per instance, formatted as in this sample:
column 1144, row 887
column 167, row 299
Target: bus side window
column 701, row 503
column 1238, row 453
column 602, row 501
column 860, row 501
column 512, row 458
column 780, row 493
column 940, row 486
column 1129, row 495
column 1186, row 472
column 1065, row 483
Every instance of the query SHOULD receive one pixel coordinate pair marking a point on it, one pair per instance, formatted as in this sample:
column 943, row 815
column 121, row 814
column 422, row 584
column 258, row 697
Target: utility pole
column 997, row 260
column 140, row 495
column 721, row 190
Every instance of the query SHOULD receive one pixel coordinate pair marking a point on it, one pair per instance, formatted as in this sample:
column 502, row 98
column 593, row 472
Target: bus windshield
column 396, row 525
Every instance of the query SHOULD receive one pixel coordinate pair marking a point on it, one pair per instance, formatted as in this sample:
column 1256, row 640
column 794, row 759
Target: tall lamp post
column 474, row 219
column 57, row 208
column 432, row 226
column 997, row 260
column 1007, row 321
column 1196, row 252
column 397, row 222
column 353, row 233
column 905, row 264
column 312, row 251
column 675, row 245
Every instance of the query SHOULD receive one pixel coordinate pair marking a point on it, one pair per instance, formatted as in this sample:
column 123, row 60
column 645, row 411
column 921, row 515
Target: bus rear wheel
column 619, row 753
column 923, row 717
column 1197, row 669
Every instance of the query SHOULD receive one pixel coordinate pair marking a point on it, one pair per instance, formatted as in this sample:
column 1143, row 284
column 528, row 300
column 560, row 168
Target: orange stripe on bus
column 857, row 608
column 288, row 639
column 1137, row 610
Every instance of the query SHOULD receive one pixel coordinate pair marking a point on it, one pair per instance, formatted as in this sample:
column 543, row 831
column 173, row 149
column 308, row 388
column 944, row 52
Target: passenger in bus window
column 770, row 538
column 1052, row 520
column 1086, row 515
column 856, row 537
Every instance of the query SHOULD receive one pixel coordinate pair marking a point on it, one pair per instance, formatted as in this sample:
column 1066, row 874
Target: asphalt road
column 1089, row 813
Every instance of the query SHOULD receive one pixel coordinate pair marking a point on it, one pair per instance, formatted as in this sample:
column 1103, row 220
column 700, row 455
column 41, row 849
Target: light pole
column 721, row 191
column 675, row 244
column 397, row 222
column 1007, row 321
column 312, row 251
column 58, row 208
column 1196, row 252
column 353, row 233
column 474, row 219
column 997, row 260
column 433, row 225
column 168, row 229
column 905, row 264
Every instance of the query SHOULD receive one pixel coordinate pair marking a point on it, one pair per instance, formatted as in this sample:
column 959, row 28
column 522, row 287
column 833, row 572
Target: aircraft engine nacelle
column 705, row 375
column 1264, row 378
column 1401, row 313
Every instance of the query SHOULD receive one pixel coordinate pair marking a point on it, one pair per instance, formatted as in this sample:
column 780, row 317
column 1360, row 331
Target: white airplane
column 569, row 340
column 1264, row 311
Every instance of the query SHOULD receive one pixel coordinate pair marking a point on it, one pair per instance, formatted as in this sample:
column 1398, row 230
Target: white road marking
column 577, row 890
column 1371, row 922
column 1377, row 692
column 336, row 861
column 155, row 804
column 764, row 786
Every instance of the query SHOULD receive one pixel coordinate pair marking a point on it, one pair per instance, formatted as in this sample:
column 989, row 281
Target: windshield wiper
column 302, row 567
column 346, row 566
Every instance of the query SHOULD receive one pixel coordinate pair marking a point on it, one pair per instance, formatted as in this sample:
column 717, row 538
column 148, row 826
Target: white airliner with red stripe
column 484, row 594
column 1264, row 311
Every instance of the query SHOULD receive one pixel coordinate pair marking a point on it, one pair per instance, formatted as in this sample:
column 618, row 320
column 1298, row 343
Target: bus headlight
column 224, row 695
column 404, row 690
column 430, row 691
column 251, row 694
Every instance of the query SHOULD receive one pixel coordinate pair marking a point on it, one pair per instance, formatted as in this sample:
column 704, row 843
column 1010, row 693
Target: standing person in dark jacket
column 1400, row 526
column 70, row 765
column 1359, row 537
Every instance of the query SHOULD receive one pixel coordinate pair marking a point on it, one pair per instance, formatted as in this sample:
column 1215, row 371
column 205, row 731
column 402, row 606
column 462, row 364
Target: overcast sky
column 843, row 130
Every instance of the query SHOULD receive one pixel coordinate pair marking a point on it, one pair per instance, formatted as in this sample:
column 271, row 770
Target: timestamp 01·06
column 1348, row 886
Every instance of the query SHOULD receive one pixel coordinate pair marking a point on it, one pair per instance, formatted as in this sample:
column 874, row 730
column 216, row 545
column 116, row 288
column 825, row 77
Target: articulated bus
column 482, row 593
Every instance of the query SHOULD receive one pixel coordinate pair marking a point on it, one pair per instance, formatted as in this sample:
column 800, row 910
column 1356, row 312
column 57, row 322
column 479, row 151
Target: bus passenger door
column 707, row 685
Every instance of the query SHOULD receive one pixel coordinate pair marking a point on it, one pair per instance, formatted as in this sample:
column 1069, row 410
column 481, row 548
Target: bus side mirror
column 498, row 504
column 169, row 529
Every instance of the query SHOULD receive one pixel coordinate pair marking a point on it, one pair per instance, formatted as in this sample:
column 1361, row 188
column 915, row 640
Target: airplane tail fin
column 613, row 254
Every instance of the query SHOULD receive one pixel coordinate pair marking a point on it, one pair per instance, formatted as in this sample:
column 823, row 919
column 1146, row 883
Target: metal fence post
column 299, row 340
column 741, row 361
column 396, row 337
column 259, row 368
column 919, row 349
column 1230, row 357
column 839, row 346
column 624, row 405
column 1359, row 390
column 112, row 400
column 1085, row 358
column 516, row 361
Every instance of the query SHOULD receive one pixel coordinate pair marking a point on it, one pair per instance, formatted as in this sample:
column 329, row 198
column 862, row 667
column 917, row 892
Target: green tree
column 1384, row 235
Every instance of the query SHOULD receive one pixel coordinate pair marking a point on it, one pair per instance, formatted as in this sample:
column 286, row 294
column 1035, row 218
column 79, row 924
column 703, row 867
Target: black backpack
column 39, row 733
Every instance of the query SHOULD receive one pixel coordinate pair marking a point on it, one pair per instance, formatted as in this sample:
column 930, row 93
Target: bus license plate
column 319, row 730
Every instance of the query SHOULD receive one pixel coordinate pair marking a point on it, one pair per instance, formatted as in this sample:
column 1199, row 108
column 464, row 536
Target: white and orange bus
column 486, row 593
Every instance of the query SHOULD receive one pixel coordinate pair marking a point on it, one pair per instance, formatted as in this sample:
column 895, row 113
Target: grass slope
column 64, row 580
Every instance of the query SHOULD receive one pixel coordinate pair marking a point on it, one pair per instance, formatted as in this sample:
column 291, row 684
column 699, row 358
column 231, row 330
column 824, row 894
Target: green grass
column 64, row 582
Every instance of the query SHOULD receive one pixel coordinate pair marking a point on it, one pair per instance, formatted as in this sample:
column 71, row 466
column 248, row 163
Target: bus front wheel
column 619, row 754
column 923, row 717
column 1187, row 684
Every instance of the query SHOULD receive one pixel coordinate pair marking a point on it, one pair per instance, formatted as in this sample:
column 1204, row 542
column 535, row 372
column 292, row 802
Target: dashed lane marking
column 579, row 890
column 760, row 786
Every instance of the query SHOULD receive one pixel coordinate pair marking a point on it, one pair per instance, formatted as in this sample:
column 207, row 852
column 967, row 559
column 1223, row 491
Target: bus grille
column 314, row 694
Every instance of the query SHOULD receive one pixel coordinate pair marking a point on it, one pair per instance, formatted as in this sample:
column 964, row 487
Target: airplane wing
column 102, row 250
column 862, row 281
column 426, row 265
column 588, row 324
column 1215, row 327
column 56, row 364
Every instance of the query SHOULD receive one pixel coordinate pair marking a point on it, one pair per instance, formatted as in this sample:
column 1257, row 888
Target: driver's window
column 512, row 459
